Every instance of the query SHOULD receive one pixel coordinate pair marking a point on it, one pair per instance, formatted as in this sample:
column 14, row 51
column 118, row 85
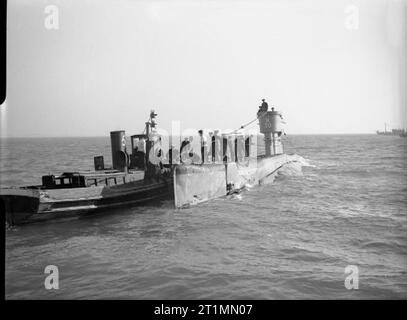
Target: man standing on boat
column 184, row 146
column 218, row 146
column 212, row 146
column 204, row 145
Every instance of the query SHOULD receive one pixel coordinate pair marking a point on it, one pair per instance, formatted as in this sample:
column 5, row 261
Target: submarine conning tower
column 271, row 126
column 118, row 146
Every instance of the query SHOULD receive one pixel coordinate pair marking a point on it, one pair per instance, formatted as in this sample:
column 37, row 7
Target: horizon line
column 104, row 136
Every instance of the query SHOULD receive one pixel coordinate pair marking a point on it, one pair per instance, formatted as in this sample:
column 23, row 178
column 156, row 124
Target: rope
column 245, row 125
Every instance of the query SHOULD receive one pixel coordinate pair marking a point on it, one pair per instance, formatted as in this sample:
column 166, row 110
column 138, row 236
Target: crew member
column 204, row 145
column 213, row 146
column 264, row 106
column 218, row 145
column 186, row 149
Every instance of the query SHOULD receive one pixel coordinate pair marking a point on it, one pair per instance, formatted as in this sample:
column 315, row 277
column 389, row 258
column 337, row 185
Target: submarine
column 228, row 163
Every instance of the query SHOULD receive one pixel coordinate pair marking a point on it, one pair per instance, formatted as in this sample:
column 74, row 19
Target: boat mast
column 150, row 124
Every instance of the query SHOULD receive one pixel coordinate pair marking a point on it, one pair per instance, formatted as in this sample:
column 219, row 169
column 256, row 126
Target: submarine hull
column 198, row 183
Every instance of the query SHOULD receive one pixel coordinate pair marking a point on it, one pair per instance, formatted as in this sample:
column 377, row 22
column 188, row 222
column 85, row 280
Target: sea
column 331, row 226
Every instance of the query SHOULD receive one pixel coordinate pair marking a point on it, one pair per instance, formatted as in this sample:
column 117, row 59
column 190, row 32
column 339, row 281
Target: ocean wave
column 304, row 162
column 294, row 168
column 382, row 247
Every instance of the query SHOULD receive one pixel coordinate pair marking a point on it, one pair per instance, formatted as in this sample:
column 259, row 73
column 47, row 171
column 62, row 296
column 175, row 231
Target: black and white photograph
column 205, row 150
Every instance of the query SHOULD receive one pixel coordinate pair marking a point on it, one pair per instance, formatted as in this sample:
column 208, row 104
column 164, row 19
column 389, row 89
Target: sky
column 329, row 66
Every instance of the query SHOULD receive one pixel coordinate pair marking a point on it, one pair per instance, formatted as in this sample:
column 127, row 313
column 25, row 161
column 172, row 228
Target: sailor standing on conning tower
column 264, row 106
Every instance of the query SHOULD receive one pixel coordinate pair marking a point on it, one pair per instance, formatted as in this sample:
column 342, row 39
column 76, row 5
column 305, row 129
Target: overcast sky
column 206, row 64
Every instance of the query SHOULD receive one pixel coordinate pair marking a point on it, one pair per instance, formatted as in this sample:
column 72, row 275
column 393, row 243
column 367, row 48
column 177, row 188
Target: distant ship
column 393, row 132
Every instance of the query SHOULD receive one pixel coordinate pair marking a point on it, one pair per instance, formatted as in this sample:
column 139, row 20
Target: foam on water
column 295, row 166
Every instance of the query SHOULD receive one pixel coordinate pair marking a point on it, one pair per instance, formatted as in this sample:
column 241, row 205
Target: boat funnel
column 118, row 146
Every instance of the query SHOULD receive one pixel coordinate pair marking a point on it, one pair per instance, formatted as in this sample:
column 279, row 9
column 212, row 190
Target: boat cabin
column 138, row 151
column 88, row 179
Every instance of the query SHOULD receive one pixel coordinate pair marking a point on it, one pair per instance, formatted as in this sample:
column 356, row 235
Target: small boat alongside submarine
column 147, row 174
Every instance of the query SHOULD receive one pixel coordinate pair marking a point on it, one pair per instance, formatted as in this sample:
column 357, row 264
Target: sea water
column 344, row 205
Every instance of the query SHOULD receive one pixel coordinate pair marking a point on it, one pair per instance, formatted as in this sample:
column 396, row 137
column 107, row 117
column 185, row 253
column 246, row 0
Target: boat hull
column 22, row 205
